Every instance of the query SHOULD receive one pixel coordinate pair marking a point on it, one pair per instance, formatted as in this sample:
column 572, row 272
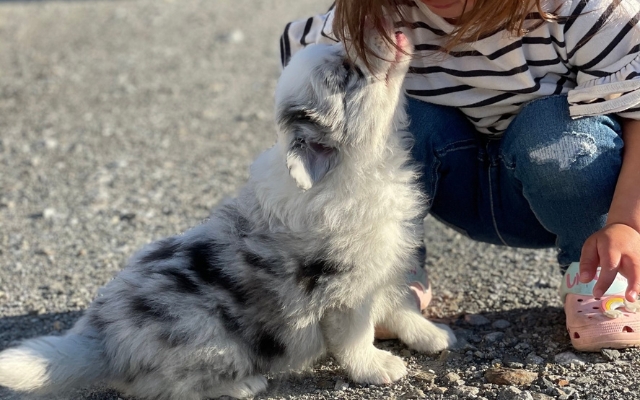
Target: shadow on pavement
column 486, row 335
column 13, row 329
column 535, row 325
column 522, row 322
column 539, row 330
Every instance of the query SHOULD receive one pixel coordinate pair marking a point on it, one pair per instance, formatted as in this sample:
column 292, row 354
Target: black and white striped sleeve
column 603, row 46
column 300, row 33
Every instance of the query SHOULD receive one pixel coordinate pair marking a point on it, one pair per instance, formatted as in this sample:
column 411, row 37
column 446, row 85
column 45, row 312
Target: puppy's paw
column 380, row 367
column 427, row 337
column 248, row 387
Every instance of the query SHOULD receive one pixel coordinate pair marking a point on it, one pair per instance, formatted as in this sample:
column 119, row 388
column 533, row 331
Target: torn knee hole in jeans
column 566, row 150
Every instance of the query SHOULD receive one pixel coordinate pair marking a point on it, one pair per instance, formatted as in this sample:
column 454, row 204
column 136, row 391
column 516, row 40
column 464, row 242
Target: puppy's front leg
column 349, row 337
column 415, row 330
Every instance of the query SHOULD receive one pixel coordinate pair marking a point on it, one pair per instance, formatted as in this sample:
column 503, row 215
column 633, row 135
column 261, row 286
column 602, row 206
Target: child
column 525, row 116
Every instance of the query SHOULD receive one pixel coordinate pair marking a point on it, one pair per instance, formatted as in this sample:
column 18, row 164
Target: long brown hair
column 353, row 17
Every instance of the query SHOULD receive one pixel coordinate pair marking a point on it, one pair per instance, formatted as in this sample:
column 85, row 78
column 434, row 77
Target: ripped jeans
column 547, row 182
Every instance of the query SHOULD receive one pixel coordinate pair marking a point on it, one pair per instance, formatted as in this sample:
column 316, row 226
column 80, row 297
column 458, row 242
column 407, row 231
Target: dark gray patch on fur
column 352, row 69
column 269, row 265
column 231, row 323
column 206, row 370
column 174, row 339
column 294, row 115
column 205, row 263
column 94, row 318
column 180, row 281
column 241, row 224
column 144, row 309
column 96, row 321
column 202, row 261
column 268, row 346
column 228, row 375
column 335, row 79
column 359, row 72
column 311, row 271
column 167, row 249
column 133, row 374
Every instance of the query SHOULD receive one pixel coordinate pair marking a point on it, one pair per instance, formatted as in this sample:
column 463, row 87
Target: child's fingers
column 631, row 270
column 589, row 260
column 609, row 264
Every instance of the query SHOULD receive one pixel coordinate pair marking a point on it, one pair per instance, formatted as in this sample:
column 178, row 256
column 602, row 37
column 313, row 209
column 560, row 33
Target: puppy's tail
column 52, row 364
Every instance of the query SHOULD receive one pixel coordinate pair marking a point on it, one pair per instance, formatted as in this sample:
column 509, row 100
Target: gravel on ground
column 125, row 121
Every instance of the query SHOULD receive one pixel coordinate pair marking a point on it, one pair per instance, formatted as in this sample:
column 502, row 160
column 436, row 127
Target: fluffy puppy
column 306, row 259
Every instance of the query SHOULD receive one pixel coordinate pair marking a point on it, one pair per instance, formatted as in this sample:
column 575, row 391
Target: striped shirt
column 591, row 53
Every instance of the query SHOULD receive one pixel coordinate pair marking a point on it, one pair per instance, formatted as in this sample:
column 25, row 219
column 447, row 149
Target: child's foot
column 598, row 323
column 418, row 284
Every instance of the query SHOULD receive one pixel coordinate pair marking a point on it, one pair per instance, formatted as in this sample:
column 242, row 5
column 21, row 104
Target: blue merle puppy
column 307, row 258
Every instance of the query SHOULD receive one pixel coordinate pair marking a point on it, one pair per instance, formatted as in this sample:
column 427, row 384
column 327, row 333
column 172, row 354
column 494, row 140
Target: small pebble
column 509, row 376
column 236, row 36
column 466, row 391
column 444, row 355
column 524, row 395
column 501, row 324
column 540, row 396
column 413, row 394
column 493, row 337
column 568, row 358
column 451, row 378
column 48, row 213
column 509, row 393
column 557, row 393
column 533, row 358
column 341, row 385
column 546, row 383
column 514, row 364
column 424, row 376
column 439, row 390
column 585, row 380
column 476, row 319
column 610, row 354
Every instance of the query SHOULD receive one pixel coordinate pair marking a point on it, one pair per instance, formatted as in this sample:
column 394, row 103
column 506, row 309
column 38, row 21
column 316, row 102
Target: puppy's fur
column 309, row 256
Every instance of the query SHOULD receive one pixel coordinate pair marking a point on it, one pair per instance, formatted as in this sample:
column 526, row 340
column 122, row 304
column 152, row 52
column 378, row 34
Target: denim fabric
column 547, row 182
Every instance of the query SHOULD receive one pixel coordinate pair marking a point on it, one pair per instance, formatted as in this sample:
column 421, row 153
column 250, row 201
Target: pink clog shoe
column 598, row 323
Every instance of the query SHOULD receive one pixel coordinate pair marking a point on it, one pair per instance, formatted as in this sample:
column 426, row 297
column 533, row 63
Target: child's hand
column 615, row 248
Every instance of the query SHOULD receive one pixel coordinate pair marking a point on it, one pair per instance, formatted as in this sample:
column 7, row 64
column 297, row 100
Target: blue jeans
column 548, row 181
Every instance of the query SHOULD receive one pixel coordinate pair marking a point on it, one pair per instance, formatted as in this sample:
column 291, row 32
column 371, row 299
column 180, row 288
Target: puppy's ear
column 308, row 160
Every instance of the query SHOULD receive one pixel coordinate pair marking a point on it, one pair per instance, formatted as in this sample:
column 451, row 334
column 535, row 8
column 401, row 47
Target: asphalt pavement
column 125, row 121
